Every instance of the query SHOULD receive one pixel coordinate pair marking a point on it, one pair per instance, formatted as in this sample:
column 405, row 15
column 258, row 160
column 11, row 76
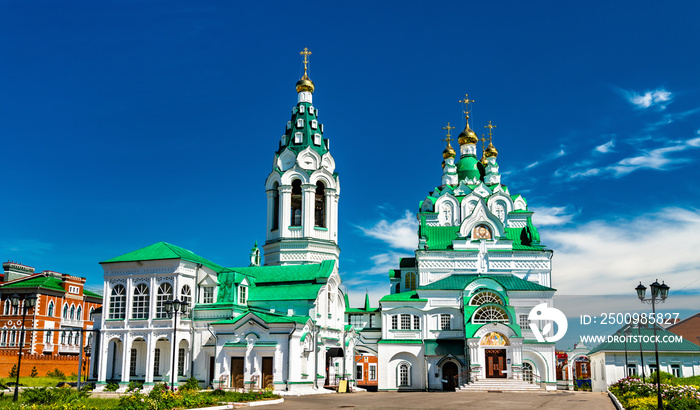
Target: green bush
column 57, row 374
column 133, row 385
column 50, row 395
column 13, row 371
column 191, row 384
column 34, row 372
column 112, row 386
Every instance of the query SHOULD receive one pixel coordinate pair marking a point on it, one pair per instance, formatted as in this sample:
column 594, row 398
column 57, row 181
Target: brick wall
column 43, row 364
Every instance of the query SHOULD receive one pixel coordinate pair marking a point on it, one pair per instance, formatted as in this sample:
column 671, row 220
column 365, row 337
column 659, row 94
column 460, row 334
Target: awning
column 442, row 347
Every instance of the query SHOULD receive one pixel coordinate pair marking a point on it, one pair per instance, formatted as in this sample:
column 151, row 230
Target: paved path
column 443, row 400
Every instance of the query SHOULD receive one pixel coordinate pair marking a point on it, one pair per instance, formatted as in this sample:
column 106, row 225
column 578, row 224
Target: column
column 103, row 359
column 126, row 360
column 308, row 192
column 285, row 209
column 270, row 210
column 149, row 358
column 129, row 297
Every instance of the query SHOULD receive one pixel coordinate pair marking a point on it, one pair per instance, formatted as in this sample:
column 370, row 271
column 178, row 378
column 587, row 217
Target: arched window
column 403, row 375
column 3, row 337
column 165, row 292
column 320, row 205
column 70, row 338
column 90, row 317
column 483, row 298
column 72, row 312
column 186, row 296
column 50, row 310
column 65, row 311
column 275, row 206
column 13, row 337
column 63, row 338
column 117, row 303
column 490, row 313
column 49, row 337
column 140, row 303
column 296, row 203
column 410, row 281
column 398, row 288
column 527, row 372
column 79, row 313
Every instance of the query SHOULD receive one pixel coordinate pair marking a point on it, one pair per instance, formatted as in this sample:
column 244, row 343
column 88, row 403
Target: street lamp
column 29, row 302
column 659, row 293
column 172, row 308
column 86, row 349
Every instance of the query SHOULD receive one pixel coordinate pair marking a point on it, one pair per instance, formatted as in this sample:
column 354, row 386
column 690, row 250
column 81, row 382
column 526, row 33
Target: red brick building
column 63, row 307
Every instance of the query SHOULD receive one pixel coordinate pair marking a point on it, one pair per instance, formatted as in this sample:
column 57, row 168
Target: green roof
column 40, row 281
column 394, row 273
column 509, row 282
column 164, row 250
column 305, row 291
column 411, row 296
column 265, row 317
column 317, row 272
column 648, row 345
column 439, row 237
column 306, row 132
column 93, row 294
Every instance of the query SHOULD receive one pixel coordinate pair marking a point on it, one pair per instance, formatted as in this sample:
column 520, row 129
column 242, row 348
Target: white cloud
column 654, row 159
column 534, row 164
column 401, row 233
column 30, row 247
column 549, row 216
column 650, row 98
column 605, row 148
column 611, row 257
column 383, row 262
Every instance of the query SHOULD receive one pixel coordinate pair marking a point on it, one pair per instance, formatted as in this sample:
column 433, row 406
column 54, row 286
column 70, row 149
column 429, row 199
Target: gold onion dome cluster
column 467, row 136
column 305, row 84
column 491, row 151
column 449, row 152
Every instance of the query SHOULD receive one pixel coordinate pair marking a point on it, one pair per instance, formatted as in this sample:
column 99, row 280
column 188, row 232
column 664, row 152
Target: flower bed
column 635, row 394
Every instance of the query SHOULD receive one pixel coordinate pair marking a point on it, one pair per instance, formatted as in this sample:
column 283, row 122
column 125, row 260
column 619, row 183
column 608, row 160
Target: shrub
column 34, row 372
column 133, row 385
column 191, row 384
column 112, row 386
column 57, row 374
column 46, row 395
column 13, row 371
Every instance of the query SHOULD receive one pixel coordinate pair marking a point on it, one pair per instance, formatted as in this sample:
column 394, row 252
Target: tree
column 13, row 371
column 34, row 372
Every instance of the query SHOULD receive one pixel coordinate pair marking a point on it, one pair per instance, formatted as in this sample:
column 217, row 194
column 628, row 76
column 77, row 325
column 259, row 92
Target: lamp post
column 29, row 302
column 659, row 293
column 172, row 308
column 86, row 349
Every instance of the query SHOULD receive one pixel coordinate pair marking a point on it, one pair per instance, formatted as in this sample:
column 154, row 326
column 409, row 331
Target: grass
column 42, row 381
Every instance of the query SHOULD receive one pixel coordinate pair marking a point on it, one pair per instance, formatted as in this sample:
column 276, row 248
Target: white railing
column 62, row 348
column 71, row 322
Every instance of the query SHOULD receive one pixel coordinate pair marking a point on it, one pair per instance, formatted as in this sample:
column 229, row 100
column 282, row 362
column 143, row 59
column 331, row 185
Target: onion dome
column 449, row 152
column 305, row 84
column 483, row 160
column 467, row 168
column 467, row 136
column 491, row 151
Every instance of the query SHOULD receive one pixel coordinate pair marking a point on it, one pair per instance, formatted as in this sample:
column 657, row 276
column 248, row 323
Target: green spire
column 366, row 302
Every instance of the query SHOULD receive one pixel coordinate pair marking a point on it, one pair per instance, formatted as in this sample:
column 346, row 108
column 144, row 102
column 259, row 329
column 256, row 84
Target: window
column 652, row 368
column 404, row 375
column 631, row 370
column 165, row 293
column 356, row 320
column 405, row 322
column 6, row 307
column 311, row 109
column 527, row 372
column 300, row 122
column 301, row 109
column 13, row 337
column 676, row 370
column 445, row 321
column 372, row 372
column 416, row 322
column 317, row 139
column 181, row 362
column 296, row 203
column 156, row 362
column 289, row 124
column 395, row 322
column 79, row 313
column 242, row 295
column 483, row 298
column 117, row 303
column 48, row 338
column 410, row 281
column 208, row 294
column 314, row 124
column 63, row 337
column 398, row 288
column 275, row 207
column 320, row 205
column 490, row 313
column 358, row 372
column 186, row 296
column 70, row 338
column 74, row 289
column 15, row 309
column 140, row 305
column 65, row 311
column 72, row 312
column 3, row 338
column 132, row 363
column 90, row 317
column 297, row 137
column 524, row 322
column 50, row 310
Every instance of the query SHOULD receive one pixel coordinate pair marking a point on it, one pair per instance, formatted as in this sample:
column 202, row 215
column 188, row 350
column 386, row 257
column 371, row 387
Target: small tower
column 492, row 176
column 303, row 189
column 467, row 168
column 449, row 170
column 255, row 255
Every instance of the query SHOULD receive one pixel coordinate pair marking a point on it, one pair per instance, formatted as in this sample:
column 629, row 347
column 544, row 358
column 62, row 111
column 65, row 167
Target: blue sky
column 127, row 123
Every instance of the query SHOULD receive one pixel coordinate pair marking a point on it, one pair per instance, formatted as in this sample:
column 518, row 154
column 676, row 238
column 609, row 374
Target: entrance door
column 211, row 369
column 267, row 377
column 237, row 372
column 449, row 373
column 496, row 363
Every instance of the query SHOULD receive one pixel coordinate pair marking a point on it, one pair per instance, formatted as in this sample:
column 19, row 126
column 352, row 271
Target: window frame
column 117, row 303
column 140, row 302
column 165, row 293
column 445, row 321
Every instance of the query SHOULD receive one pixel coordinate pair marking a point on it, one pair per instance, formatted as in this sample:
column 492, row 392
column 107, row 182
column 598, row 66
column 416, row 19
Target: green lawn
column 43, row 381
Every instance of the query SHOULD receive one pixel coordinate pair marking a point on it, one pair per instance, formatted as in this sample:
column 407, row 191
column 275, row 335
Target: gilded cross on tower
column 448, row 128
column 466, row 101
column 306, row 53
column 490, row 127
column 483, row 142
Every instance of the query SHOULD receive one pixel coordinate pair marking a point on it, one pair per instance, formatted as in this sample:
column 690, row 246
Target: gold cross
column 466, row 102
column 483, row 140
column 490, row 127
column 448, row 128
column 306, row 53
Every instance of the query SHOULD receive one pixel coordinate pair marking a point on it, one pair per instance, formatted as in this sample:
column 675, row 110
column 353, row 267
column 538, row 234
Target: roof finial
column 466, row 101
column 305, row 84
column 490, row 150
column 448, row 128
column 306, row 53
column 449, row 152
column 490, row 127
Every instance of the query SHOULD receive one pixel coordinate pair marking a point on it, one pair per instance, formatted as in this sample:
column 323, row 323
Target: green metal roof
column 317, row 272
column 509, row 282
column 439, row 237
column 306, row 291
column 39, row 281
column 648, row 345
column 164, row 250
column 306, row 132
column 93, row 294
column 394, row 273
column 265, row 317
column 411, row 296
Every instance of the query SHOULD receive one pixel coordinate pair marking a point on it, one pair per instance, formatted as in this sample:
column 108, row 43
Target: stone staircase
column 500, row 385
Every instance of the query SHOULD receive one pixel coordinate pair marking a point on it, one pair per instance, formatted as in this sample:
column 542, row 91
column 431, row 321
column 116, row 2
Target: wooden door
column 496, row 363
column 267, row 377
column 211, row 369
column 449, row 373
column 237, row 376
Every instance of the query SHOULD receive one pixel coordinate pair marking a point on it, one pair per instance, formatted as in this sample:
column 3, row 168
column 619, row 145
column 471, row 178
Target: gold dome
column 449, row 152
column 467, row 136
column 305, row 84
column 483, row 160
column 491, row 151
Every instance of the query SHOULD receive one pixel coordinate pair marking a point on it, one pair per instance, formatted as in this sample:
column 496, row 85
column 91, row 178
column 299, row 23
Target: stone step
column 500, row 385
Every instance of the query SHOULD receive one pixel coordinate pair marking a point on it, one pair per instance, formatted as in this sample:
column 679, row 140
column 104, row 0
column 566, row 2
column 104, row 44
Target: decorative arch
column 295, row 173
column 140, row 302
column 117, row 303
column 309, row 159
column 271, row 179
column 327, row 162
column 324, row 176
column 49, row 311
column 539, row 363
column 448, row 210
column 481, row 216
column 296, row 203
column 490, row 313
column 469, row 204
column 427, row 205
column 486, row 297
column 502, row 200
column 482, row 284
column 286, row 160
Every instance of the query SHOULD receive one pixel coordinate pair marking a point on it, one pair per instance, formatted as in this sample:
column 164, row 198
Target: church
column 280, row 325
column 456, row 315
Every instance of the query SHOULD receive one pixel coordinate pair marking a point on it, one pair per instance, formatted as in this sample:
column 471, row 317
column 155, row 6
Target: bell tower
column 302, row 189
